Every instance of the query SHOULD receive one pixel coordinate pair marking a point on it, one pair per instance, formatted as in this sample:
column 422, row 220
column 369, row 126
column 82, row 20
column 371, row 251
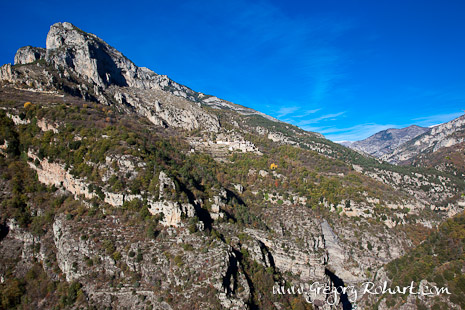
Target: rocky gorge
column 123, row 189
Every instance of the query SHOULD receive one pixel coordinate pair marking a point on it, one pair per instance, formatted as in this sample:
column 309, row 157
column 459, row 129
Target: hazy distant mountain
column 386, row 141
column 437, row 138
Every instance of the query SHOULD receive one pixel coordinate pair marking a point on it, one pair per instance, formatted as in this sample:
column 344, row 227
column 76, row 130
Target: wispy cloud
column 322, row 65
column 307, row 113
column 283, row 111
column 292, row 53
column 320, row 118
column 444, row 95
column 317, row 65
column 293, row 112
column 363, row 131
column 353, row 133
column 436, row 119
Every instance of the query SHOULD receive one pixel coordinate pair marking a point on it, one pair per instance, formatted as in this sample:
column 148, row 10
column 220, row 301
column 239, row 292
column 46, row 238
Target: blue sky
column 346, row 69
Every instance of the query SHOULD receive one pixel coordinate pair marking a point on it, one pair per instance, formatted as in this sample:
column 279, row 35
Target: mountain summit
column 68, row 47
column 73, row 51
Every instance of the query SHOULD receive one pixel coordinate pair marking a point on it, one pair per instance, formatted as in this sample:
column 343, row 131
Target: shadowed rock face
column 91, row 57
column 98, row 72
column 339, row 284
column 3, row 231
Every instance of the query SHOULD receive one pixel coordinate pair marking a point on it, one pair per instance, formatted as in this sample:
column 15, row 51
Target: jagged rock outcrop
column 218, row 202
column 51, row 173
column 55, row 174
column 73, row 49
column 70, row 251
column 165, row 183
column 172, row 211
column 164, row 108
column 232, row 278
column 127, row 164
column 305, row 262
column 336, row 256
column 158, row 268
column 92, row 58
column 279, row 137
column 75, row 55
column 28, row 54
column 6, row 74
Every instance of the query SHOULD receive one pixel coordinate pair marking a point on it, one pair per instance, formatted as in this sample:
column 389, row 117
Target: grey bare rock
column 29, row 54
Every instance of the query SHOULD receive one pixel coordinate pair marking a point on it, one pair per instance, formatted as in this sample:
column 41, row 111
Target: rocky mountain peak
column 70, row 48
column 97, row 71
column 62, row 34
column 89, row 56
column 28, row 54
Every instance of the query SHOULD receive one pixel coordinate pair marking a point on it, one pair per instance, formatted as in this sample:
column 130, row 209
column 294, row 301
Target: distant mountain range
column 386, row 141
column 431, row 141
column 415, row 145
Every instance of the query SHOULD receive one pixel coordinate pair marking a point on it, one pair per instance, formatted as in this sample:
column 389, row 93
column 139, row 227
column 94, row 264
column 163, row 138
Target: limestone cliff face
column 92, row 58
column 75, row 54
column 51, row 173
column 160, row 264
column 55, row 174
column 29, row 54
column 82, row 64
column 172, row 211
column 165, row 109
column 310, row 248
column 6, row 74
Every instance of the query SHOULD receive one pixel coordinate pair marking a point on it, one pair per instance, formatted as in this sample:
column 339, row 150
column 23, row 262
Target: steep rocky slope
column 450, row 159
column 121, row 188
column 437, row 262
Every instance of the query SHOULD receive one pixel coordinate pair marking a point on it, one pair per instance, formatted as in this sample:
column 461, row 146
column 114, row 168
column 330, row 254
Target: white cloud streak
column 320, row 118
column 436, row 119
column 353, row 133
column 283, row 111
